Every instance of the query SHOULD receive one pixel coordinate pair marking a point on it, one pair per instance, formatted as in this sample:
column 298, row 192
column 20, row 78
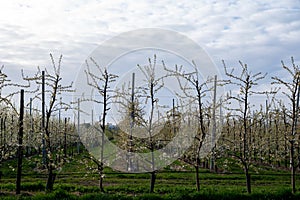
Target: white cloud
column 259, row 33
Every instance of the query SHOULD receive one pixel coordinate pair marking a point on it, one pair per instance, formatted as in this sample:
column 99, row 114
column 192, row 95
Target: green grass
column 209, row 194
column 75, row 181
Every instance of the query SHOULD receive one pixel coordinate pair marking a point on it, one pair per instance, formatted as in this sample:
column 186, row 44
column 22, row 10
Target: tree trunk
column 51, row 179
column 100, row 169
column 293, row 180
column 101, row 183
column 248, row 180
column 197, row 178
column 153, row 178
column 293, row 170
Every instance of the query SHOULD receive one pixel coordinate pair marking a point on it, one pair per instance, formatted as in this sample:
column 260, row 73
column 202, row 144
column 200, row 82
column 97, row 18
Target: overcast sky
column 260, row 33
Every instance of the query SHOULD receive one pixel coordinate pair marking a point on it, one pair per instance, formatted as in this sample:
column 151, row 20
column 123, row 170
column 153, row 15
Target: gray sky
column 260, row 33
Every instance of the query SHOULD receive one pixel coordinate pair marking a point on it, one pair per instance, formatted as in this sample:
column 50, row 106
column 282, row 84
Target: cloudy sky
column 260, row 33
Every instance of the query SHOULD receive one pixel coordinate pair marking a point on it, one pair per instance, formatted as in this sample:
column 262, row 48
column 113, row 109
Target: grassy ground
column 76, row 180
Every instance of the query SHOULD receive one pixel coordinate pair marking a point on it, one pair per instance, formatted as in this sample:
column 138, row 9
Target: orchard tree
column 279, row 142
column 154, row 83
column 292, row 92
column 131, row 114
column 8, row 110
column 245, row 81
column 5, row 103
column 101, row 81
column 50, row 82
column 285, row 130
column 193, row 91
column 142, row 123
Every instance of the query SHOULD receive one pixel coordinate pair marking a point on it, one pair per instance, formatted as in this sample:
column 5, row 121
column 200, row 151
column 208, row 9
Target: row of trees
column 144, row 129
column 266, row 135
column 44, row 130
column 32, row 133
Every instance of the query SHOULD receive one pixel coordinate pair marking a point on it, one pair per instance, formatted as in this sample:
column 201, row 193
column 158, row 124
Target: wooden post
column 31, row 125
column 59, row 124
column 1, row 132
column 4, row 129
column 43, row 118
column 214, row 128
column 130, row 167
column 20, row 144
column 92, row 117
column 173, row 116
column 65, row 138
column 78, row 118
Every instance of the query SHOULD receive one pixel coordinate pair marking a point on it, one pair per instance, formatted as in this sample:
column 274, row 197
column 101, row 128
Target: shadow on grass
column 209, row 195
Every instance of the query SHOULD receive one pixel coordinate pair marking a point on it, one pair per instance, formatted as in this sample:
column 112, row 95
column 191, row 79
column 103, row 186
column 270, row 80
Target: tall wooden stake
column 20, row 144
column 214, row 128
column 130, row 167
column 78, row 126
column 65, row 138
column 43, row 118
column 31, row 124
column 173, row 116
column 92, row 117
